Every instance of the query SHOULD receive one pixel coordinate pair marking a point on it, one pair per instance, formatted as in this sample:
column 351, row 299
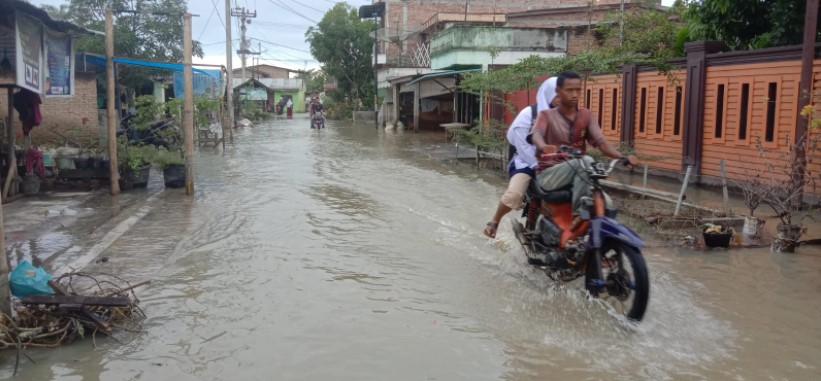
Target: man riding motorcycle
column 316, row 108
column 572, row 126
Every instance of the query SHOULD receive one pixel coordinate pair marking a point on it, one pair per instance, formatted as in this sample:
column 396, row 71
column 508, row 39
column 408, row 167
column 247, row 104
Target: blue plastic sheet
column 29, row 280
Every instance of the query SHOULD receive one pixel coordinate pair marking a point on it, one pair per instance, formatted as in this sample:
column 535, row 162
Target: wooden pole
column 683, row 189
column 5, row 292
column 724, row 187
column 229, row 54
column 111, row 112
column 12, row 173
column 188, row 106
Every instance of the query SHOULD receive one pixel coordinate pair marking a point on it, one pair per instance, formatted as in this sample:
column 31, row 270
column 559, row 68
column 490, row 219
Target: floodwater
column 355, row 254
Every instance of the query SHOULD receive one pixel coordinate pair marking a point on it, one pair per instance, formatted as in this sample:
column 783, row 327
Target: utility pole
column 114, row 174
column 188, row 105
column 375, row 71
column 243, row 51
column 229, row 54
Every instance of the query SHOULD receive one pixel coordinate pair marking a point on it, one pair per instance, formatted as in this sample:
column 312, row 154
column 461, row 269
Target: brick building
column 74, row 117
column 408, row 25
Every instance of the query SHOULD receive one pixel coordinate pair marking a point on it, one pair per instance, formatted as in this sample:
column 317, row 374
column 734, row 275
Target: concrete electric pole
column 114, row 173
column 244, row 17
column 229, row 86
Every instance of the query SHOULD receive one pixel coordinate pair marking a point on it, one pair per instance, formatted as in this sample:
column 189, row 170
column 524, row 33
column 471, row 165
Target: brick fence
column 713, row 107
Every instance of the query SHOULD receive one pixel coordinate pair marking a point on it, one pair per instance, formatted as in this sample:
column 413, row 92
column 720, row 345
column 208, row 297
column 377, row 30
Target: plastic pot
column 30, row 187
column 174, row 176
column 141, row 176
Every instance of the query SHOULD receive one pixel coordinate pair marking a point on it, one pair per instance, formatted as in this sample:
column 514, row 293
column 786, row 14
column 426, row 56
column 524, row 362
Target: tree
column 646, row 30
column 747, row 24
column 314, row 81
column 341, row 42
column 145, row 35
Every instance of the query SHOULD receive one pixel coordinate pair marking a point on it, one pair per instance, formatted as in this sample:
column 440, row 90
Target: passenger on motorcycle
column 523, row 163
column 572, row 126
column 316, row 108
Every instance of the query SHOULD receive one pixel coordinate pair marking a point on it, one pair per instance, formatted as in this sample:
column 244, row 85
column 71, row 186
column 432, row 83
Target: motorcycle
column 595, row 246
column 318, row 120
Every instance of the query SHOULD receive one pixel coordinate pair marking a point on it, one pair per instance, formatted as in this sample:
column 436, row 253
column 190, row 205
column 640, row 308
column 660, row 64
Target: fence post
column 693, row 138
column 628, row 104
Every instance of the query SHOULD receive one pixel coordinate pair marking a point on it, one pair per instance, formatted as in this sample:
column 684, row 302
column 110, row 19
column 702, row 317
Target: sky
column 279, row 30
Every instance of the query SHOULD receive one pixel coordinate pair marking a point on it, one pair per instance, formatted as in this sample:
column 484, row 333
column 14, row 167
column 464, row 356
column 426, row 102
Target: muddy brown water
column 352, row 254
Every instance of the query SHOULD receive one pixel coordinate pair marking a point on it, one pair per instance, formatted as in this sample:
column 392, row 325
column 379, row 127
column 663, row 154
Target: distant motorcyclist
column 317, row 112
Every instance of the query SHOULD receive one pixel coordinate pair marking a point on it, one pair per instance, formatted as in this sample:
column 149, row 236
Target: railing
column 488, row 18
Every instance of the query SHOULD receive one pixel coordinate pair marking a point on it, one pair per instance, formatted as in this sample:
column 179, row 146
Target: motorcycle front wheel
column 618, row 277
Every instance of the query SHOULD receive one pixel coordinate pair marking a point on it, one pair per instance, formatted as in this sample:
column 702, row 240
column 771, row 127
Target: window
column 659, row 109
column 613, row 110
column 601, row 104
column 719, row 131
column 587, row 99
column 769, row 132
column 745, row 108
column 679, row 107
column 643, row 111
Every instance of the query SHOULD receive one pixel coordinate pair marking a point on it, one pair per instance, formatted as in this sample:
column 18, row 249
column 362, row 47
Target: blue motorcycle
column 596, row 246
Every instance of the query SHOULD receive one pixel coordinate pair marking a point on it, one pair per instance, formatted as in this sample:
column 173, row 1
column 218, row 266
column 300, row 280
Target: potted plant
column 135, row 165
column 784, row 191
column 35, row 171
column 754, row 191
column 173, row 166
column 717, row 235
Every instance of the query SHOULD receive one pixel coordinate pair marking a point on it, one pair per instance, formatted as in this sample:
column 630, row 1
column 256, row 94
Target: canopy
column 100, row 61
column 443, row 74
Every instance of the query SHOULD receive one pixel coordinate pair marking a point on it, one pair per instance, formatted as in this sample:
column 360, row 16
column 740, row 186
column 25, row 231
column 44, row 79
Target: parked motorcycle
column 596, row 246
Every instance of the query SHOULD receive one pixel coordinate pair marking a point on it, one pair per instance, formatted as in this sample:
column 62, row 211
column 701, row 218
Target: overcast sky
column 281, row 31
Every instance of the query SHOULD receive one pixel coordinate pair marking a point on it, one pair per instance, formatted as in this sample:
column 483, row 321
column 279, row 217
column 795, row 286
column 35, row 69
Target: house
column 263, row 71
column 268, row 91
column 47, row 67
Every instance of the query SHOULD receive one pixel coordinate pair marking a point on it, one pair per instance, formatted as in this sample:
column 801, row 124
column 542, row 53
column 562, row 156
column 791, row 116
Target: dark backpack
column 534, row 112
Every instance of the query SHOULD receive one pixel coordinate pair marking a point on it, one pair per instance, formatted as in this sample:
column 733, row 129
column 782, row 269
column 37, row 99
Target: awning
column 100, row 61
column 443, row 74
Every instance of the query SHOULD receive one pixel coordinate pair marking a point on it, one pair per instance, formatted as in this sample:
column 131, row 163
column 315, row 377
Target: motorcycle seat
column 559, row 196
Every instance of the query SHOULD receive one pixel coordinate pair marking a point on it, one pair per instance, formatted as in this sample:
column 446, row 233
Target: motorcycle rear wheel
column 622, row 285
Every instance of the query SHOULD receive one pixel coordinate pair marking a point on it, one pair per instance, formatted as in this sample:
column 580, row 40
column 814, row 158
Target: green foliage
column 174, row 107
column 747, row 24
column 314, row 81
column 338, row 110
column 341, row 42
column 164, row 158
column 144, row 36
column 134, row 157
column 205, row 106
column 487, row 136
column 148, row 110
column 646, row 30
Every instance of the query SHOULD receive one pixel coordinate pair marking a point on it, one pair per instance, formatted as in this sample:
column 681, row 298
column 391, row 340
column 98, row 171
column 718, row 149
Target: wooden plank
column 76, row 299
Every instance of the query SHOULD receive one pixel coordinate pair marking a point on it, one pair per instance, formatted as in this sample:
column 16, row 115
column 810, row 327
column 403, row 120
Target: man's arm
column 538, row 133
column 613, row 153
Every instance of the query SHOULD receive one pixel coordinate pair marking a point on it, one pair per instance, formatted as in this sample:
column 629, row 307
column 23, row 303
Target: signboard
column 254, row 94
column 59, row 64
column 29, row 43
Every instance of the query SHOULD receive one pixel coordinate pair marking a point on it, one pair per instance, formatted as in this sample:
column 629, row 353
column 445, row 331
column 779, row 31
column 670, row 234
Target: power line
column 280, row 45
column 308, row 6
column 289, row 9
column 206, row 23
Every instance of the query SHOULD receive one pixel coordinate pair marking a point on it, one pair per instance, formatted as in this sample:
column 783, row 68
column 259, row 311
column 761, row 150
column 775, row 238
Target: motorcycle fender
column 602, row 228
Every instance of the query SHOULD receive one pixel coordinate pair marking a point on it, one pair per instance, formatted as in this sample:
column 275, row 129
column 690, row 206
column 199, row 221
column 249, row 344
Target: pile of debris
column 81, row 305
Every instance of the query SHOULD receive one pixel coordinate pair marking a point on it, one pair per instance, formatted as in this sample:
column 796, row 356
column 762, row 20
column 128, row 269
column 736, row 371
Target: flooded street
column 352, row 254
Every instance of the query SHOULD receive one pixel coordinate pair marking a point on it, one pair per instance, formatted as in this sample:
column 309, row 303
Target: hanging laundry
column 27, row 103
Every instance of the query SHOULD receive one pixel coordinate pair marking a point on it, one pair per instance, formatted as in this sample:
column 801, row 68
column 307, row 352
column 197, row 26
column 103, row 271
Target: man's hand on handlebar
column 630, row 161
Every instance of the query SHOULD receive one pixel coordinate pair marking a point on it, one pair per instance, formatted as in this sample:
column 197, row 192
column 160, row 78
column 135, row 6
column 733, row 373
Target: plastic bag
column 29, row 280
